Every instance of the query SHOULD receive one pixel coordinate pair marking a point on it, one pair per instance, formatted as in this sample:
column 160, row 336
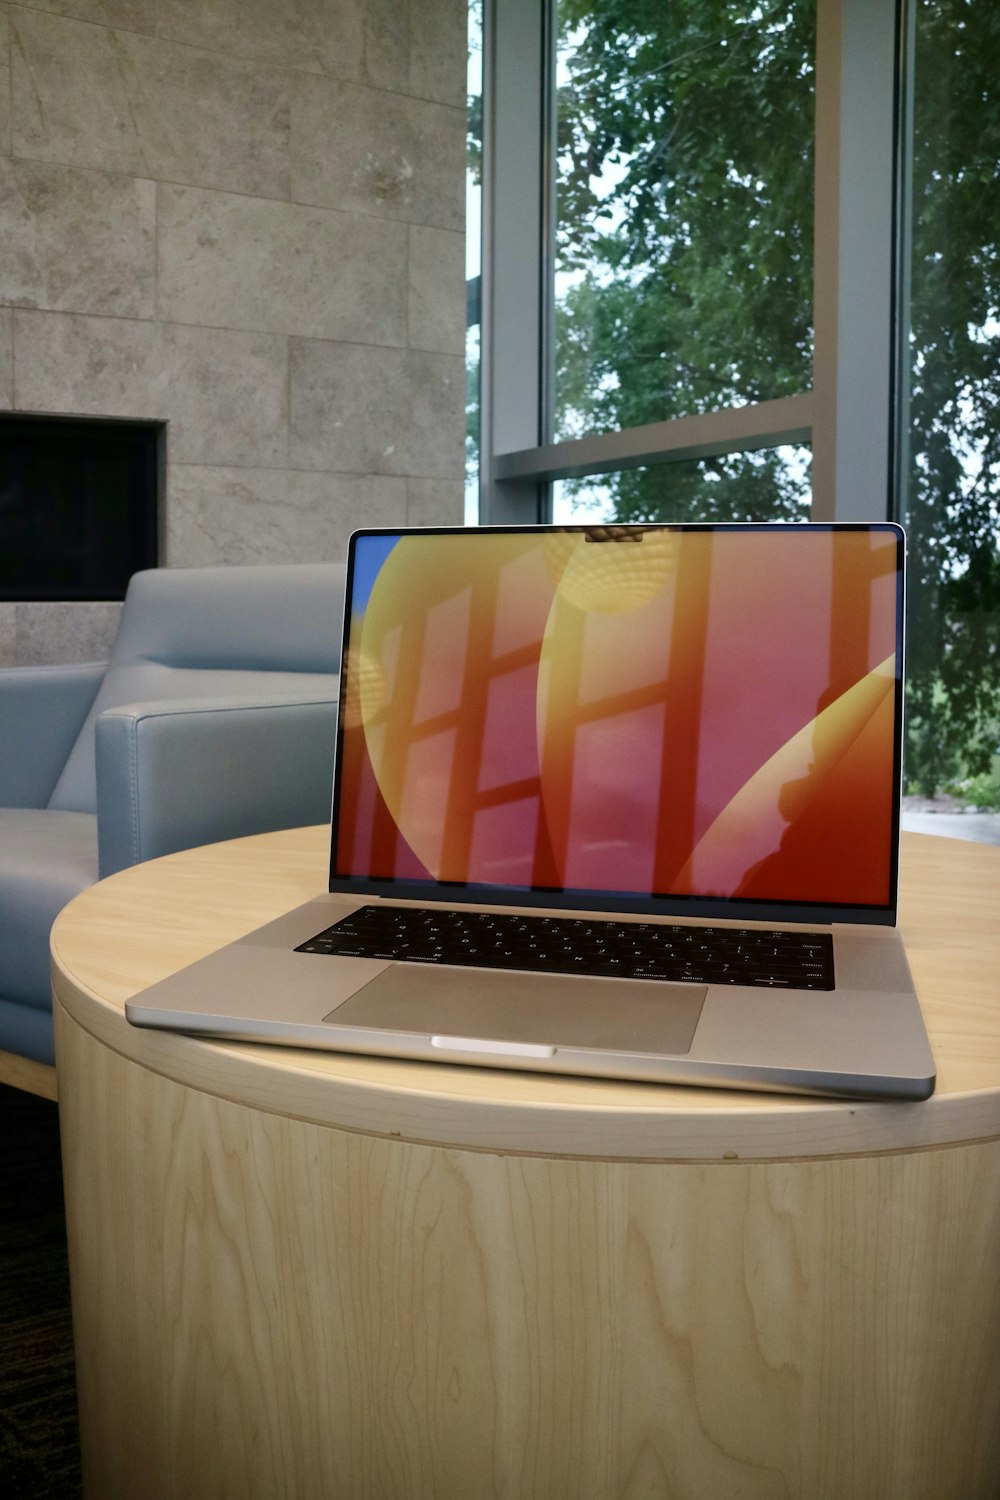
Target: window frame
column 850, row 414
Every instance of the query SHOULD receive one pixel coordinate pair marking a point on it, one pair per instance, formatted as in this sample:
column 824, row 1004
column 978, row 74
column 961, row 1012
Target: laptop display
column 668, row 719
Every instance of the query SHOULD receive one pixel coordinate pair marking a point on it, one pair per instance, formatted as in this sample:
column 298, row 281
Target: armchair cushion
column 173, row 775
column 46, row 859
column 42, row 710
column 214, row 633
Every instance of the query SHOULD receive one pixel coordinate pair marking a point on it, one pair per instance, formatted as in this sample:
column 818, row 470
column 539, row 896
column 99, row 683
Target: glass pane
column 951, row 475
column 683, row 260
column 769, row 485
column 473, row 257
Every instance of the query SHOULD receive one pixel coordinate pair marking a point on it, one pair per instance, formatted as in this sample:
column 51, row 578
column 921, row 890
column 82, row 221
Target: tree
column 684, row 232
column 953, row 478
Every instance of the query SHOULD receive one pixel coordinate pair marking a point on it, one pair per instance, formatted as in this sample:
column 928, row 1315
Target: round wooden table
column 307, row 1275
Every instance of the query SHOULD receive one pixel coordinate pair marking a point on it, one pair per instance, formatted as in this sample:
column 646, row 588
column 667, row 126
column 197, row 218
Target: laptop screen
column 685, row 719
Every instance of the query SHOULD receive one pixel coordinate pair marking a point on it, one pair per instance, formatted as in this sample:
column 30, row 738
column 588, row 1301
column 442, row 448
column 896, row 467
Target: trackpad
column 615, row 1015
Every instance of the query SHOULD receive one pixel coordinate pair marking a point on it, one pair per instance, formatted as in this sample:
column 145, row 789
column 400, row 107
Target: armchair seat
column 215, row 717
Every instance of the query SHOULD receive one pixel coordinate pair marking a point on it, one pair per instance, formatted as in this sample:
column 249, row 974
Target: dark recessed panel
column 79, row 503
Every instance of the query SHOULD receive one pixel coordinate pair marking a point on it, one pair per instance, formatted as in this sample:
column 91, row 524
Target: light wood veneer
column 30, row 1076
column 297, row 1274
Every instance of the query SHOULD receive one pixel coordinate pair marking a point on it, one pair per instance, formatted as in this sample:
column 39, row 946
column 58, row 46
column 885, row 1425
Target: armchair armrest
column 42, row 710
column 176, row 774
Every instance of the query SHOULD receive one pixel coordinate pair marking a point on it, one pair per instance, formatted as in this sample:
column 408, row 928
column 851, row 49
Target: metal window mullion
column 903, row 235
column 854, row 277
column 549, row 217
column 512, row 391
column 737, row 429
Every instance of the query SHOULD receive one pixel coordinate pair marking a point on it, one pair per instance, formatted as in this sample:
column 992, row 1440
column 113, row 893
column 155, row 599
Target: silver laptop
column 612, row 801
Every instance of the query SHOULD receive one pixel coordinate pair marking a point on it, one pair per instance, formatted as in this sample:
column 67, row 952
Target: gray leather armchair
column 215, row 717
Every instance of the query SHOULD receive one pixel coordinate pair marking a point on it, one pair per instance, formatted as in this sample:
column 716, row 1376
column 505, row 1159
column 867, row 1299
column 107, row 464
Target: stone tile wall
column 246, row 218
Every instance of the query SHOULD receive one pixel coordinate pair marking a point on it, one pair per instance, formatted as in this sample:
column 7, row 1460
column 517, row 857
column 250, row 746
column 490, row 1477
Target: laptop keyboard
column 570, row 945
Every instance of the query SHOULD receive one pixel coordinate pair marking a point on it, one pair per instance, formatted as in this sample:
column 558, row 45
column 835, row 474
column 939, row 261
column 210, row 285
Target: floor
column 39, row 1441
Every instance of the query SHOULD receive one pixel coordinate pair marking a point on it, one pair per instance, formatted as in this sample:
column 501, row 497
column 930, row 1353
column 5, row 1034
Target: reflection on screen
column 697, row 713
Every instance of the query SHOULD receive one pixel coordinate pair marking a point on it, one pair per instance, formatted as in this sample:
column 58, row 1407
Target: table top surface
column 149, row 921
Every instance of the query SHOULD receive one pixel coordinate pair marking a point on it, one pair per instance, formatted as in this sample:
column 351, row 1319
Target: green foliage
column 953, row 484
column 691, row 280
column 697, row 266
column 473, row 407
column 981, row 792
column 474, row 101
column 737, row 487
column 474, row 137
column 684, row 230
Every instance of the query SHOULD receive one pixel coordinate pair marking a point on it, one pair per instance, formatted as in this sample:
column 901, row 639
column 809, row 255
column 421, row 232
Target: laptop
column 613, row 801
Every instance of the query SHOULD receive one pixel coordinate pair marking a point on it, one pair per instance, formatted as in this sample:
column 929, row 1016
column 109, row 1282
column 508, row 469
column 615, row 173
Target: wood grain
column 149, row 921
column 24, row 1073
column 267, row 1307
column 308, row 1276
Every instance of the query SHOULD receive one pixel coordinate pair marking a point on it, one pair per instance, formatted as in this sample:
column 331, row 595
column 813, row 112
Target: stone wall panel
column 437, row 290
column 376, row 411
column 88, row 96
column 434, row 502
column 4, row 82
column 438, row 50
column 131, row 15
column 236, row 262
column 369, row 152
column 8, row 637
column 222, row 393
column 363, row 40
column 81, row 631
column 6, row 359
column 77, row 241
column 268, row 515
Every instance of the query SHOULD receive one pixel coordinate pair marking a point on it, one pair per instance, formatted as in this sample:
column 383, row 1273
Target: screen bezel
column 732, row 909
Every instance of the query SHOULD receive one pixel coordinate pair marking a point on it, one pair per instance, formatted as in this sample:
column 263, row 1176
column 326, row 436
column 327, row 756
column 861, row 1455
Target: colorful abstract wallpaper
column 704, row 713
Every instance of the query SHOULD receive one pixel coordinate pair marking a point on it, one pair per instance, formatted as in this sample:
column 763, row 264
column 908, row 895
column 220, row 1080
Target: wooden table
column 307, row 1275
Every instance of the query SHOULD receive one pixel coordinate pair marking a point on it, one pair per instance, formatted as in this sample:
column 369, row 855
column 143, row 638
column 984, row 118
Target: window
column 771, row 484
column 950, row 453
column 682, row 243
column 473, row 244
column 652, row 236
column 682, row 239
column 740, row 261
